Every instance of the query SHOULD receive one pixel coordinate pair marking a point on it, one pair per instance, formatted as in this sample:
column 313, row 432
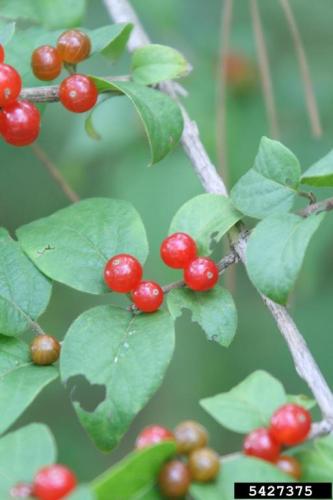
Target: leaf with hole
column 24, row 291
column 249, row 404
column 321, row 173
column 206, row 218
column 160, row 115
column 214, row 310
column 127, row 354
column 23, row 453
column 155, row 63
column 135, row 476
column 73, row 245
column 20, row 380
column 271, row 185
column 276, row 250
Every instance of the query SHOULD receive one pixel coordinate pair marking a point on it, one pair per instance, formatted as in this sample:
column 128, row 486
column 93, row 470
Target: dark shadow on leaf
column 88, row 395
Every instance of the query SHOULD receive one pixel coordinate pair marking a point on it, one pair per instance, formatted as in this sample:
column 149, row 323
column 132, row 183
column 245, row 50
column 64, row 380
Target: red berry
column 53, row 482
column 153, row 435
column 20, row 123
column 201, row 274
column 73, row 46
column 21, row 490
column 122, row 273
column 10, row 85
column 174, row 479
column 290, row 424
column 290, row 466
column 147, row 296
column 260, row 444
column 78, row 93
column 177, row 250
column 46, row 63
column 2, row 54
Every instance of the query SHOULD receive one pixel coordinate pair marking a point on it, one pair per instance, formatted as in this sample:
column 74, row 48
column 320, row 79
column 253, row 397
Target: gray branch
column 121, row 11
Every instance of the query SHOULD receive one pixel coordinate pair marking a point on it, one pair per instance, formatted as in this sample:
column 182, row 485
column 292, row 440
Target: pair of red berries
column 197, row 462
column 51, row 483
column 19, row 120
column 290, row 425
column 77, row 93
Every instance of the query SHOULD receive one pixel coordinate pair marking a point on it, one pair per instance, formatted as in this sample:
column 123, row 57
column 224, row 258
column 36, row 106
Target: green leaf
column 20, row 380
column 302, row 400
column 276, row 250
column 155, row 63
column 271, row 185
column 127, row 354
column 73, row 245
column 134, row 475
column 110, row 41
column 316, row 458
column 249, row 404
column 205, row 217
column 214, row 310
column 24, row 291
column 67, row 13
column 321, row 173
column 82, row 492
column 160, row 115
column 23, row 453
column 6, row 33
column 241, row 469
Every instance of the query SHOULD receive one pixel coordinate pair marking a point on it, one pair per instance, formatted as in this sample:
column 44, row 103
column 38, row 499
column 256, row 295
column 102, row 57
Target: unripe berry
column 147, row 296
column 174, row 479
column 240, row 73
column 46, row 63
column 10, row 85
column 54, row 482
column 122, row 273
column 153, row 434
column 177, row 250
column 201, row 274
column 290, row 424
column 78, row 93
column 190, row 436
column 73, row 46
column 289, row 465
column 21, row 490
column 204, row 465
column 45, row 350
column 2, row 54
column 260, row 444
column 20, row 123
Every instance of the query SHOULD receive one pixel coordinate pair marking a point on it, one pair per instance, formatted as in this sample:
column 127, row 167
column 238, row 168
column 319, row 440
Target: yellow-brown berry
column 45, row 350
column 190, row 436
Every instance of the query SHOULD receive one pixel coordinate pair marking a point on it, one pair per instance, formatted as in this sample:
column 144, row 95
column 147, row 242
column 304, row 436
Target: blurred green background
column 116, row 167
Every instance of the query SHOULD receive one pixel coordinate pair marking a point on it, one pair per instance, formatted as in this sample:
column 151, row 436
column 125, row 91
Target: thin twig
column 265, row 74
column 304, row 69
column 54, row 173
column 121, row 11
column 316, row 208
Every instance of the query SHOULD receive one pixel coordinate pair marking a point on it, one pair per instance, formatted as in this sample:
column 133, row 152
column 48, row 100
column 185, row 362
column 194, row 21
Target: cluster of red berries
column 290, row 425
column 196, row 462
column 123, row 272
column 50, row 483
column 77, row 93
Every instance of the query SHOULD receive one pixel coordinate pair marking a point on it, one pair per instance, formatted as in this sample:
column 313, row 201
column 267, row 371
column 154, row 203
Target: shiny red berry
column 2, row 54
column 73, row 46
column 289, row 465
column 290, row 424
column 10, row 85
column 20, row 123
column 21, row 490
column 174, row 479
column 152, row 435
column 177, row 250
column 122, row 273
column 260, row 444
column 53, row 482
column 201, row 274
column 147, row 296
column 78, row 93
column 46, row 63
